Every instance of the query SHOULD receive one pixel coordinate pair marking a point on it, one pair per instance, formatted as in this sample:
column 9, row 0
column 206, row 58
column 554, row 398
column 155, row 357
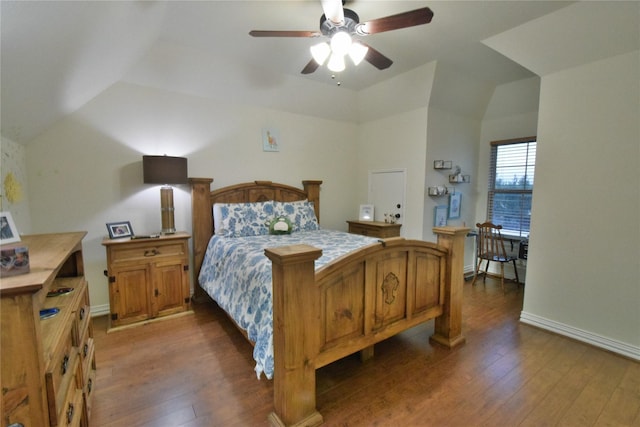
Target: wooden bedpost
column 448, row 326
column 312, row 188
column 201, row 225
column 296, row 329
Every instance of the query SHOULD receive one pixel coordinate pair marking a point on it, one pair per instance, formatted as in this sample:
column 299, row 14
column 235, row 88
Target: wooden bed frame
column 346, row 306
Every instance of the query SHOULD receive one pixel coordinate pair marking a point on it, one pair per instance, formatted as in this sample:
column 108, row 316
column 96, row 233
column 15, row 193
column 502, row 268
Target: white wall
column 13, row 168
column 396, row 138
column 87, row 169
column 455, row 138
column 511, row 113
column 583, row 270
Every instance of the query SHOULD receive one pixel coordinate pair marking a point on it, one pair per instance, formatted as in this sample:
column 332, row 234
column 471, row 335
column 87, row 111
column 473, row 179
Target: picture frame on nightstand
column 366, row 213
column 118, row 230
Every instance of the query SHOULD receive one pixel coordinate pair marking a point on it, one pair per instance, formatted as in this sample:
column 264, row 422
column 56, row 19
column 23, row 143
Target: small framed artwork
column 447, row 164
column 438, row 164
column 440, row 216
column 455, row 200
column 8, row 230
column 118, row 230
column 366, row 213
column 270, row 139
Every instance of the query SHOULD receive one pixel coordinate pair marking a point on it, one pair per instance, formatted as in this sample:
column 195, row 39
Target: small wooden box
column 14, row 260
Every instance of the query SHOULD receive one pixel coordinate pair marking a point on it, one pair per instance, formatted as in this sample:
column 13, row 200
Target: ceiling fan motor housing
column 351, row 22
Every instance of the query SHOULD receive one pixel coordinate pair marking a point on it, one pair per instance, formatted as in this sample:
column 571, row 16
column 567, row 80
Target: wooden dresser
column 48, row 365
column 148, row 278
column 374, row 229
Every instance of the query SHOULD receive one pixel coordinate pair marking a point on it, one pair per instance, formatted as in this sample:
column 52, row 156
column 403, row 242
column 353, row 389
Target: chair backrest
column 490, row 243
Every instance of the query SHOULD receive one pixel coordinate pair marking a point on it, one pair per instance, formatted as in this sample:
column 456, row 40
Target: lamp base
column 166, row 210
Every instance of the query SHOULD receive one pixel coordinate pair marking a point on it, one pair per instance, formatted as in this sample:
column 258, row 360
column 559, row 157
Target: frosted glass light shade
column 340, row 43
column 336, row 63
column 357, row 52
column 320, row 52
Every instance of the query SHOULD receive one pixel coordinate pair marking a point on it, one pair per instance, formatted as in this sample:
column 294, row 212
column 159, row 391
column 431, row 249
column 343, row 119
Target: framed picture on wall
column 455, row 200
column 270, row 139
column 440, row 216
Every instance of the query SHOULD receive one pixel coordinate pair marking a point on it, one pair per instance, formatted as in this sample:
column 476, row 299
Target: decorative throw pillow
column 301, row 213
column 280, row 225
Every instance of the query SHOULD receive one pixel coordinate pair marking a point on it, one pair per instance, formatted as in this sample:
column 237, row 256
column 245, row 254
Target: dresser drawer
column 88, row 393
column 146, row 251
column 87, row 353
column 71, row 410
column 62, row 383
column 82, row 320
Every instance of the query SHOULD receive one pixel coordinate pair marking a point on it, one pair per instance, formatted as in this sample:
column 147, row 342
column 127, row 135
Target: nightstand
column 148, row 278
column 374, row 229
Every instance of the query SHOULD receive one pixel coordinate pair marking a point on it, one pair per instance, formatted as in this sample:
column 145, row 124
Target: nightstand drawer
column 147, row 251
column 382, row 230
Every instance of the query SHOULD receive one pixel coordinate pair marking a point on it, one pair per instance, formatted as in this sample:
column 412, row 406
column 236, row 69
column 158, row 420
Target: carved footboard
column 353, row 303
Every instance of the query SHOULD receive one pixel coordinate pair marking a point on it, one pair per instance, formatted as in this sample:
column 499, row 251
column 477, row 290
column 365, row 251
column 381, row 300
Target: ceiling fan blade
column 395, row 22
column 278, row 33
column 333, row 11
column 377, row 59
column 310, row 67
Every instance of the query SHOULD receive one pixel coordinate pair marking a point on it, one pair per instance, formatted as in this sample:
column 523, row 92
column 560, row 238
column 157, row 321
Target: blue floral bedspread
column 237, row 275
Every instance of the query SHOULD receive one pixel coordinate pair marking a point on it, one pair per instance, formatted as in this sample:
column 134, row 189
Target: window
column 511, row 185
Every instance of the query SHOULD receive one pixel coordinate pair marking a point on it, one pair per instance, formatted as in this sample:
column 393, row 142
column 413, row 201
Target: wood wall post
column 296, row 339
column 448, row 326
column 201, row 225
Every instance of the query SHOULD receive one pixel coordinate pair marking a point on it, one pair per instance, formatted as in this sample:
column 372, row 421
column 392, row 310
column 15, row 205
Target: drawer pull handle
column 70, row 413
column 85, row 350
column 16, row 425
column 82, row 313
column 65, row 364
column 151, row 252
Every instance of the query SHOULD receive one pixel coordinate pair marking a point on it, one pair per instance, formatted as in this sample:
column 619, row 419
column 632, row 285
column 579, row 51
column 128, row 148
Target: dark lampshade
column 164, row 170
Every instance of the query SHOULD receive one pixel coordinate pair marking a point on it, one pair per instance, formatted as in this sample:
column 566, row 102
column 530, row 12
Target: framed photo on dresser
column 8, row 229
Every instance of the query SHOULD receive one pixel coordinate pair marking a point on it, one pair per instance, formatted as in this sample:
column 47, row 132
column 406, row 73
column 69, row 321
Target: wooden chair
column 491, row 248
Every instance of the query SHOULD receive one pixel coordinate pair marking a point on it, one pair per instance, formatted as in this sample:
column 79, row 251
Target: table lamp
column 165, row 170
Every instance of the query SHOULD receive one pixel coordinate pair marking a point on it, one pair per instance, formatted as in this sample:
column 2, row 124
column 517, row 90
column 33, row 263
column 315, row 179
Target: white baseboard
column 99, row 310
column 596, row 340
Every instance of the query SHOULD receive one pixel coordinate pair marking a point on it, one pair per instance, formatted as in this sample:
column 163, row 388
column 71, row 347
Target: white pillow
column 217, row 218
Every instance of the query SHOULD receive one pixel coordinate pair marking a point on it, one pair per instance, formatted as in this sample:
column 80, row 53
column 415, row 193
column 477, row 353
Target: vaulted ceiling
column 56, row 56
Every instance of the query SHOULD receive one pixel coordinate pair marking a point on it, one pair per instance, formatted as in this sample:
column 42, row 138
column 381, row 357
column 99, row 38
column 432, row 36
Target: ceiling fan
column 340, row 24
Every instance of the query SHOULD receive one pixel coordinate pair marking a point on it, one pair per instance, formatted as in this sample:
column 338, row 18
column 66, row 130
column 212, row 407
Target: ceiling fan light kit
column 339, row 25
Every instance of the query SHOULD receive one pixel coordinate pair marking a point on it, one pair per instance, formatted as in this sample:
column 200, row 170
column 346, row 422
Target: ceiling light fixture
column 340, row 46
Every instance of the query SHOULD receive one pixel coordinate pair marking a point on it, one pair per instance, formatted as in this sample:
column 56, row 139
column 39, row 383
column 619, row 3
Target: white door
column 386, row 193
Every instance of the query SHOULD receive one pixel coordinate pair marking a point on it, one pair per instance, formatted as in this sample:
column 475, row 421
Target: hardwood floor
column 197, row 371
